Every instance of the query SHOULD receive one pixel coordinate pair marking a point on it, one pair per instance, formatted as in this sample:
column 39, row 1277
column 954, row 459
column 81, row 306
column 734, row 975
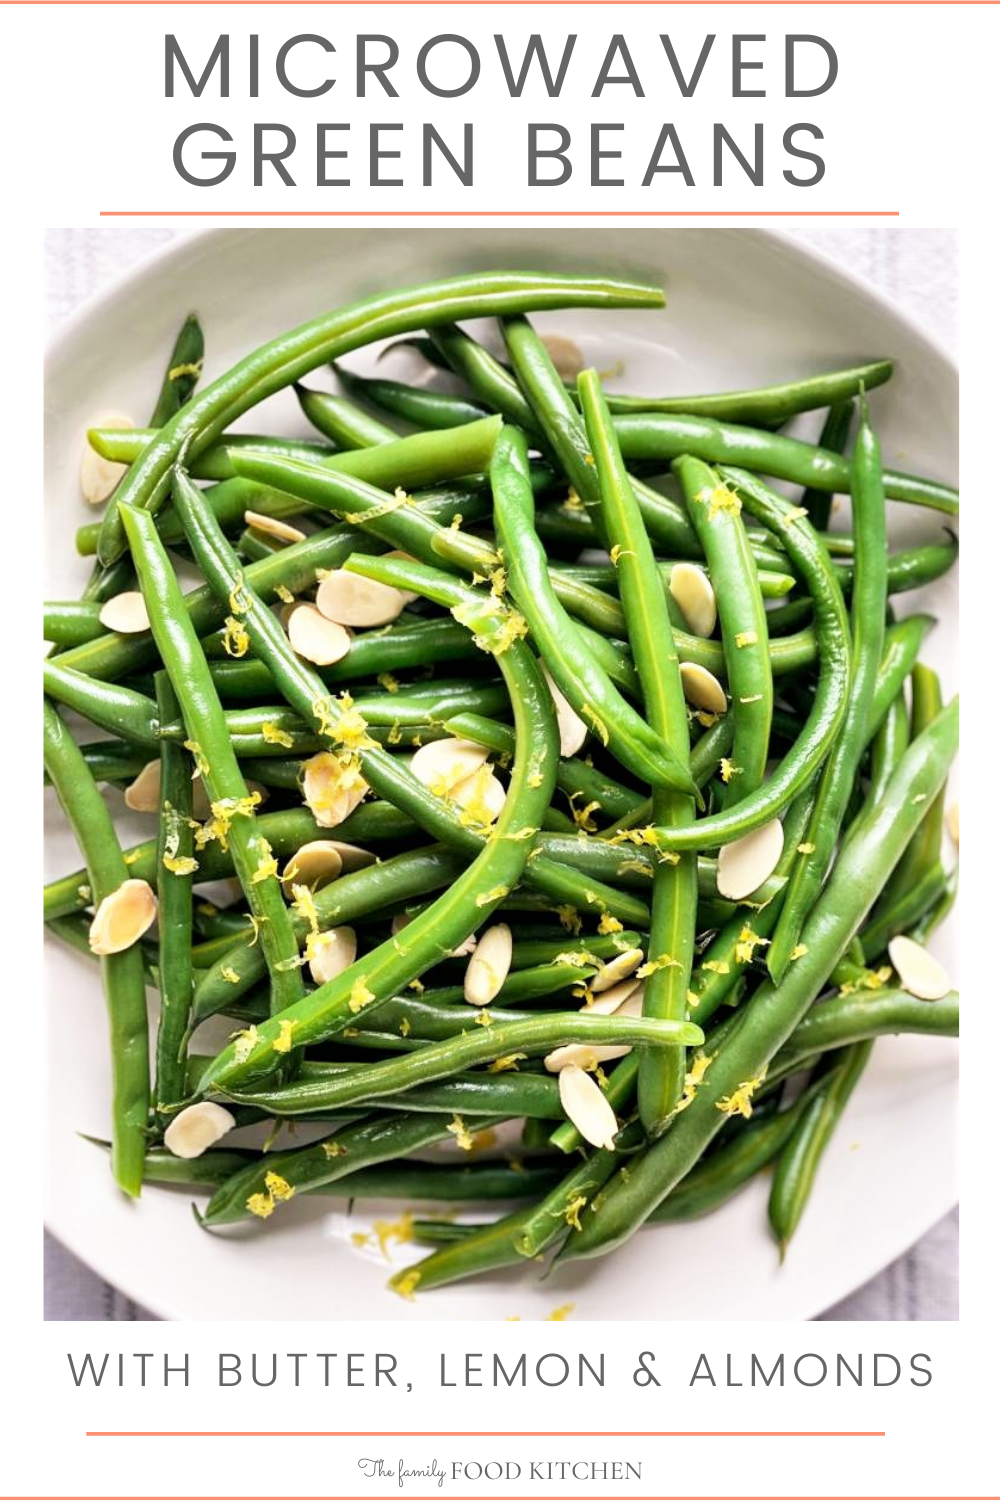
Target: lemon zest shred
column 236, row 640
column 571, row 1213
column 506, row 1064
column 283, row 1041
column 244, row 1043
column 609, row 924
column 229, row 974
column 273, row 734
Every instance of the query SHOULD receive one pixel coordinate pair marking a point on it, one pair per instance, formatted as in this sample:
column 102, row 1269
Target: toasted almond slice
column 442, row 765
column 352, row 600
column 143, row 794
column 572, row 729
column 123, row 917
column 352, row 856
column 331, row 790
column 694, row 596
column 564, row 354
column 482, row 795
column 489, row 965
column 579, row 1055
column 747, row 863
column 99, row 476
column 616, row 969
column 125, row 613
column 314, row 864
column 316, row 637
column 951, row 820
column 919, row 971
column 272, row 526
column 196, row 1128
column 587, row 1107
column 333, row 952
column 702, row 689
column 618, row 1000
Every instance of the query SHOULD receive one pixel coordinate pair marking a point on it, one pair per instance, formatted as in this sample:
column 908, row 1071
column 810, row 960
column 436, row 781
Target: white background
column 909, row 126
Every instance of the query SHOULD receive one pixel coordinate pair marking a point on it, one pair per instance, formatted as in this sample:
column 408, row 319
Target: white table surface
column 918, row 268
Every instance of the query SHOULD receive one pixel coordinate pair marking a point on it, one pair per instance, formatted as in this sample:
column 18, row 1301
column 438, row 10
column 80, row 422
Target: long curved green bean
column 286, row 359
column 829, row 701
column 121, row 973
column 769, row 405
column 342, row 421
column 674, row 897
column 109, row 705
column 798, row 1163
column 871, row 850
column 868, row 604
column 863, row 1013
column 665, row 437
column 175, row 918
column 422, row 406
column 233, row 819
column 715, row 515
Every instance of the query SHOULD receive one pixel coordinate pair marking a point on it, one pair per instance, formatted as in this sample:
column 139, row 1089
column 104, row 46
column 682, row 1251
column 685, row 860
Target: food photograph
column 500, row 754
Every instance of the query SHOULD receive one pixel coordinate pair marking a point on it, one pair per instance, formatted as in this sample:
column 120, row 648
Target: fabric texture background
column 918, row 269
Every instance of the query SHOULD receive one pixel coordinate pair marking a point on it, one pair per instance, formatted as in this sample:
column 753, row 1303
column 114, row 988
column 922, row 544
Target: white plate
column 745, row 307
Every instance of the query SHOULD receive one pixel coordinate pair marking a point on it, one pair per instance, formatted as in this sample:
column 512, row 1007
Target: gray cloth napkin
column 918, row 268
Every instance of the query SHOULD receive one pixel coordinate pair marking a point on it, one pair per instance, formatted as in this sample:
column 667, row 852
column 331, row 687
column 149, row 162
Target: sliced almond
column 99, row 476
column 587, row 1107
column 572, row 729
column 692, row 592
column 747, row 863
column 919, row 971
column 123, row 917
column 143, row 794
column 951, row 820
column 272, row 526
column 617, row 968
column 314, row 864
column 702, row 689
column 352, row 856
column 125, row 613
column 443, row 765
column 614, row 1001
column 333, row 952
column 196, row 1128
column 352, row 600
column 489, row 965
column 564, row 354
column 331, row 788
column 482, row 795
column 316, row 637
column 580, row 1055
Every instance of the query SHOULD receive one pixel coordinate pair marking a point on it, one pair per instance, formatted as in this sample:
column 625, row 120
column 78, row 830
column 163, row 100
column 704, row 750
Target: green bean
column 105, row 583
column 486, row 377
column 121, row 973
column 799, row 1161
column 264, row 1184
column 490, row 1247
column 342, row 421
column 585, row 684
column 769, row 405
column 114, row 760
column 620, row 1091
column 829, row 701
column 531, row 951
column 125, row 712
column 938, row 909
column 72, row 623
column 664, row 438
column 912, row 569
column 232, row 806
column 905, row 912
column 674, row 899
column 285, row 831
column 419, row 405
column 850, row 1018
column 560, row 1210
column 715, row 515
column 870, row 852
column 715, row 1178
column 834, row 439
column 888, row 744
column 483, row 1180
column 294, row 354
column 175, row 863
column 868, row 603
column 924, row 852
column 772, row 585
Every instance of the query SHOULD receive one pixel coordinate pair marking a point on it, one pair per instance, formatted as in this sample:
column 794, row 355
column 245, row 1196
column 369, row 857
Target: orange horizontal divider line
column 460, row 1434
column 495, row 213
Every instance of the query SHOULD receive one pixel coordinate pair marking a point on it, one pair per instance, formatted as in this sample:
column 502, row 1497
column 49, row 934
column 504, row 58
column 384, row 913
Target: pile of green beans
column 657, row 655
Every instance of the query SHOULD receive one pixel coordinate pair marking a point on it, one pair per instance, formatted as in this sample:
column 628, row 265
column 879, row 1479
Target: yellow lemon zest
column 496, row 894
column 261, row 1204
column 360, row 996
column 582, row 816
column 609, row 924
column 571, row 1213
column 285, row 595
column 180, row 864
column 720, row 500
column 716, row 966
column 387, row 681
column 239, row 599
column 405, row 1026
column 506, row 1064
column 236, row 641
column 569, row 917
column 727, row 769
column 333, row 1148
column 229, row 974
column 457, row 1128
column 665, row 961
column 746, row 943
column 267, row 865
column 200, row 763
column 596, row 722
column 745, row 638
column 279, row 1189
column 393, row 1231
column 805, row 848
column 406, row 1285
column 244, row 1043
column 283, row 1041
column 273, row 734
column 799, row 951
column 483, row 1017
column 739, row 1101
column 560, row 1314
